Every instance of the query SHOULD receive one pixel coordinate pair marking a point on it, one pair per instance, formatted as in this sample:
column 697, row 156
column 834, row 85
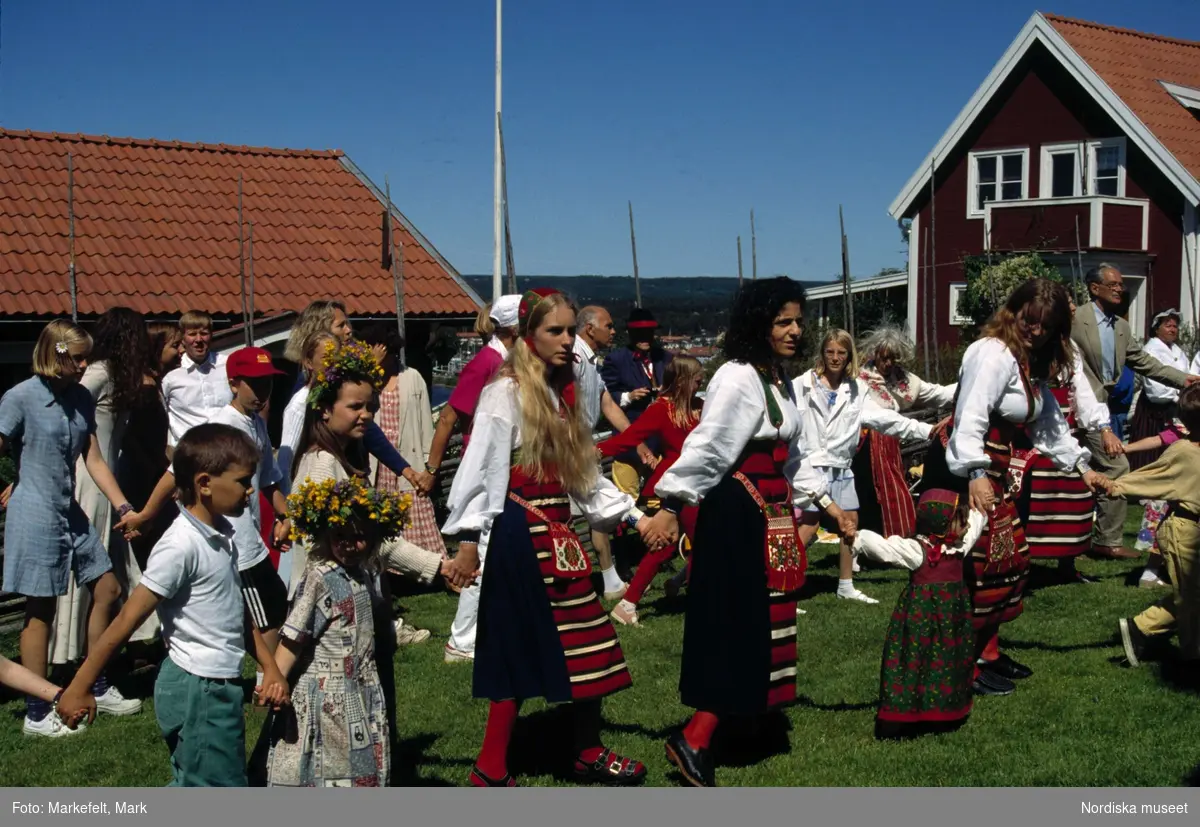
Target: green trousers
column 202, row 722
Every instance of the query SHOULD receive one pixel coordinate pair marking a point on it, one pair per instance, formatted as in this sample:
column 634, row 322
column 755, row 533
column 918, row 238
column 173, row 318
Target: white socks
column 846, row 587
column 612, row 580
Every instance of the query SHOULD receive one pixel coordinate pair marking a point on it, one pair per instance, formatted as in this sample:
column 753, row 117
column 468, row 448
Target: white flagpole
column 497, row 231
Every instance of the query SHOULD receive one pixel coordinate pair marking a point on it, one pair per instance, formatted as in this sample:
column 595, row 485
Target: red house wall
column 1040, row 104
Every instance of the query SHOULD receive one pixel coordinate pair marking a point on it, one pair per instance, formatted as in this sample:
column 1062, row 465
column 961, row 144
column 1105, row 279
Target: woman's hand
column 660, row 530
column 1112, row 445
column 462, row 570
column 380, row 352
column 982, row 496
column 421, row 480
column 1097, row 482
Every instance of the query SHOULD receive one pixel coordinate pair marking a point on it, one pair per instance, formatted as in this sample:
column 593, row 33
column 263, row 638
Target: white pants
column 462, row 631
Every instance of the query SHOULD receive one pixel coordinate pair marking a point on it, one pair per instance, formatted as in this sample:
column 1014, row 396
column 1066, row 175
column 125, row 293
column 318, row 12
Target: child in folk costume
column 744, row 465
column 836, row 408
column 670, row 418
column 1002, row 390
column 335, row 734
column 542, row 629
column 1057, row 507
column 929, row 653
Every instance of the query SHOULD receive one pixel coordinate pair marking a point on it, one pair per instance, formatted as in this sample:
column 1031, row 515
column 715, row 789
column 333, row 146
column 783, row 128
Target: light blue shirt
column 1106, row 325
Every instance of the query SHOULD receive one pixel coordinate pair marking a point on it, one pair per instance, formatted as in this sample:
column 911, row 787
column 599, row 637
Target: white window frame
column 973, row 210
column 1046, row 180
column 1092, row 146
column 956, row 290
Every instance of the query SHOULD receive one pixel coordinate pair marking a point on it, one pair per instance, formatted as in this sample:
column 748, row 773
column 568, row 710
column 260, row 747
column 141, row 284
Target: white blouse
column 832, row 433
column 906, row 552
column 1090, row 414
column 990, row 382
column 480, row 487
column 1171, row 355
column 735, row 412
column 910, row 391
column 289, row 439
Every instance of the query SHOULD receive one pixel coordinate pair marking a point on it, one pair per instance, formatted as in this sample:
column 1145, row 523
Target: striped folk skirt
column 885, row 503
column 1057, row 510
column 739, row 636
column 540, row 636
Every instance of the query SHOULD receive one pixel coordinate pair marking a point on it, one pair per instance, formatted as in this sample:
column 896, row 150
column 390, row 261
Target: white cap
column 505, row 310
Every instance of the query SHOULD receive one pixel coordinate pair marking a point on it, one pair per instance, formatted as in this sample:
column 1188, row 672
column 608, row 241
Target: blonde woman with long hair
column 542, row 630
column 836, row 407
column 670, row 418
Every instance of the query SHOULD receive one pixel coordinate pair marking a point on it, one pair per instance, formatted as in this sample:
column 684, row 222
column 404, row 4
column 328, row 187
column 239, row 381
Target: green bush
column 989, row 286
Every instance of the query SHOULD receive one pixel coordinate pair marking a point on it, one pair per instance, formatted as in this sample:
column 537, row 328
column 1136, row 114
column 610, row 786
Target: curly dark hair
column 754, row 310
column 121, row 339
column 386, row 334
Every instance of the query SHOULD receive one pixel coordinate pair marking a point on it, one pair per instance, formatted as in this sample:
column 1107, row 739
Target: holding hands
column 660, row 530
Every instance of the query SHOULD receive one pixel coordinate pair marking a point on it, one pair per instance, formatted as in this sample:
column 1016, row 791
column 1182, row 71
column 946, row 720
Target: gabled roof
column 1124, row 71
column 156, row 229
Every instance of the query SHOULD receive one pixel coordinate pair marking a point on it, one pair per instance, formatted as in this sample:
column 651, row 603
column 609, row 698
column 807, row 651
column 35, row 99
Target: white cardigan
column 831, row 435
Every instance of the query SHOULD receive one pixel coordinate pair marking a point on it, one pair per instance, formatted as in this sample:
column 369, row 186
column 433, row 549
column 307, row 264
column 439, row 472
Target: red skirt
column 1057, row 509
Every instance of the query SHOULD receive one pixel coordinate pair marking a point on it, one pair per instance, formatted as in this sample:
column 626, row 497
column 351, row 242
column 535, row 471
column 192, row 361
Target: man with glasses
column 1107, row 344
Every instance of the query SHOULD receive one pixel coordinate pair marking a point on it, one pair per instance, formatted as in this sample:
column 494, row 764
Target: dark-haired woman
column 744, row 465
column 1004, row 397
column 114, row 379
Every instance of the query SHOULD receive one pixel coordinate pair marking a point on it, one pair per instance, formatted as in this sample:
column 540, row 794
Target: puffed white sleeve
column 987, row 369
column 889, row 423
column 929, row 395
column 480, row 486
column 1052, row 437
column 606, row 505
column 892, row 551
column 1089, row 413
column 808, row 485
column 976, row 522
column 733, row 410
column 1156, row 391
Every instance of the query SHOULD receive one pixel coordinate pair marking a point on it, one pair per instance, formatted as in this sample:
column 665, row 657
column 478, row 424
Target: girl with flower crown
column 929, row 652
column 336, row 731
column 542, row 630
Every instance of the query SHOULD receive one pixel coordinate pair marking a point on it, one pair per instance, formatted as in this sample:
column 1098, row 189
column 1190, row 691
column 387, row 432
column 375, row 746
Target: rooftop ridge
column 154, row 143
column 1058, row 18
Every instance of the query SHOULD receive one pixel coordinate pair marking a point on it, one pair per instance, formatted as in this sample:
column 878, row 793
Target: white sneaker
column 800, row 611
column 52, row 726
column 408, row 635
column 857, row 595
column 1153, row 583
column 625, row 614
column 114, row 703
column 457, row 655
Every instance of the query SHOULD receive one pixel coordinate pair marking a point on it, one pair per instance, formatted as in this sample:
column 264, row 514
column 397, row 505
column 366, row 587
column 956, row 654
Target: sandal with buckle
column 611, row 769
column 478, row 779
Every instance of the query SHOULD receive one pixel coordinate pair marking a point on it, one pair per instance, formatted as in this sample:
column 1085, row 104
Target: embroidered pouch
column 570, row 559
column 783, row 552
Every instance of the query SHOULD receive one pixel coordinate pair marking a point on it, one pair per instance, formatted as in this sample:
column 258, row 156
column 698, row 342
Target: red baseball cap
column 250, row 363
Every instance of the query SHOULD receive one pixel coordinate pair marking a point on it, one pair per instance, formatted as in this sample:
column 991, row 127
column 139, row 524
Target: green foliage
column 8, row 470
column 988, row 287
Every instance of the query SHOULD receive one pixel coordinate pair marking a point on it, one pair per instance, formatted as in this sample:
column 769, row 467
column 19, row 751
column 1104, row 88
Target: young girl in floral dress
column 929, row 653
column 335, row 734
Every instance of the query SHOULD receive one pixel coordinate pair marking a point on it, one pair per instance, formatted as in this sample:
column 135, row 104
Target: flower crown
column 315, row 507
column 351, row 362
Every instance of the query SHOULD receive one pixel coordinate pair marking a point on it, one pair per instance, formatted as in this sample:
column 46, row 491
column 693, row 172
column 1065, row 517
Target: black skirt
column 1150, row 419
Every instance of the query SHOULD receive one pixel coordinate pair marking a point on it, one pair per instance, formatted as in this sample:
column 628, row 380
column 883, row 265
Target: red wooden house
column 1083, row 144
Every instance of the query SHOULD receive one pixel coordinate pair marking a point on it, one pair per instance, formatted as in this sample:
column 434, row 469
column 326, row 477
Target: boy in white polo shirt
column 191, row 580
column 197, row 389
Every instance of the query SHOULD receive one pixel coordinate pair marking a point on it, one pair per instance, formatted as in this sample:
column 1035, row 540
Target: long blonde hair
column 677, row 377
column 840, row 337
column 552, row 443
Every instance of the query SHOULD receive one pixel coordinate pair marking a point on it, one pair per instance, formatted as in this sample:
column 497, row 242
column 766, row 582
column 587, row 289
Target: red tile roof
column 156, row 229
column 1132, row 64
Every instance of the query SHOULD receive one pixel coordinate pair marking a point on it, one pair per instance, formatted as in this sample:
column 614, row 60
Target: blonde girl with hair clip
column 542, row 630
column 836, row 408
column 49, row 422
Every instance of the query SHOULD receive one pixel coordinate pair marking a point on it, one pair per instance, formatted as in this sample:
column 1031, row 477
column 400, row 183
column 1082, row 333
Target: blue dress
column 46, row 535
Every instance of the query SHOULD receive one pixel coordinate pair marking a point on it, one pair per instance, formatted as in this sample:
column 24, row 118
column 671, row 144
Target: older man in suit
column 1106, row 343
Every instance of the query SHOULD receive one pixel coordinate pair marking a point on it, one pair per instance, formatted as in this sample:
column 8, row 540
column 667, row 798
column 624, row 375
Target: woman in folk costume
column 836, row 408
column 744, row 464
column 542, row 629
column 669, row 419
column 929, row 653
column 1002, row 390
column 886, row 505
column 1056, row 507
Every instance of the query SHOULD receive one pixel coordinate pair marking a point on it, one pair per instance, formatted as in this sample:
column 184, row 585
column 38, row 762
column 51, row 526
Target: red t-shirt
column 471, row 382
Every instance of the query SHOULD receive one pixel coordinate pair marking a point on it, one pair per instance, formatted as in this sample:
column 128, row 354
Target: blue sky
column 694, row 110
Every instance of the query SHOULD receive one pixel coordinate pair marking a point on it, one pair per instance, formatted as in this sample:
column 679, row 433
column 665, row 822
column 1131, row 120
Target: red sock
column 493, row 755
column 991, row 645
column 699, row 731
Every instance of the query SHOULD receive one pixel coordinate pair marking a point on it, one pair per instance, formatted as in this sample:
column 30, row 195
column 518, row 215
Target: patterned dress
column 335, row 734
column 392, row 417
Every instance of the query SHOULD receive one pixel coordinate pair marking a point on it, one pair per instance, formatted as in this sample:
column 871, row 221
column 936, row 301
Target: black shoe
column 695, row 765
column 989, row 683
column 1079, row 577
column 1134, row 641
column 1006, row 667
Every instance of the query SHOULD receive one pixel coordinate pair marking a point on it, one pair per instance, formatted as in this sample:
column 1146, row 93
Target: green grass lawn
column 1083, row 719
